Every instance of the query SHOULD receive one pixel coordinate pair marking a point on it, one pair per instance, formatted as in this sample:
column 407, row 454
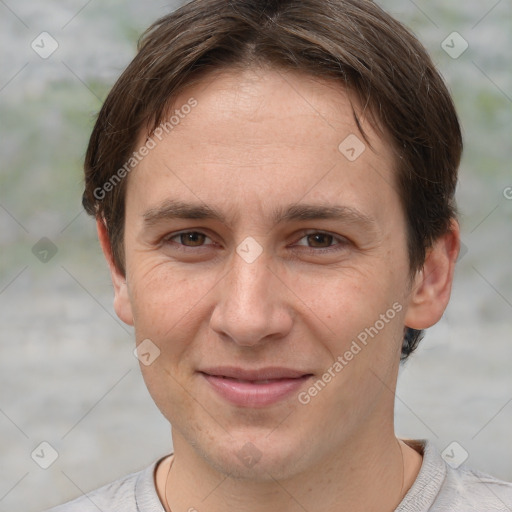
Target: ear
column 122, row 303
column 432, row 285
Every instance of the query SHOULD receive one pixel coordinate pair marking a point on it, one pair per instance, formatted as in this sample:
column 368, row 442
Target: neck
column 357, row 477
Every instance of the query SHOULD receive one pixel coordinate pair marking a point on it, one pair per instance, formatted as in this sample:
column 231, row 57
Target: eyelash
column 342, row 241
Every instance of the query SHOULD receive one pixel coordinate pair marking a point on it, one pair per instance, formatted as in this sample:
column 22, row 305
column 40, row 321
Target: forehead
column 261, row 137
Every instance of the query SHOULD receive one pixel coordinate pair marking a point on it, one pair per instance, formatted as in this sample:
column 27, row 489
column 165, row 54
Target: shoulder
column 122, row 495
column 467, row 489
column 440, row 487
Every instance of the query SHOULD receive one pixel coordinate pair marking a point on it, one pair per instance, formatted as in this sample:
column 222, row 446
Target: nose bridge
column 249, row 283
column 250, row 307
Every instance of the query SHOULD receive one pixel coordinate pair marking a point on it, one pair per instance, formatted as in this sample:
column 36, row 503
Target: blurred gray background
column 68, row 376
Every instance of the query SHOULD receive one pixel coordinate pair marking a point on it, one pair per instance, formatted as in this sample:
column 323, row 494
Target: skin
column 258, row 140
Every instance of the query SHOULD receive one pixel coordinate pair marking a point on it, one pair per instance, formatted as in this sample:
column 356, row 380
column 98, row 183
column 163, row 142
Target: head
column 310, row 151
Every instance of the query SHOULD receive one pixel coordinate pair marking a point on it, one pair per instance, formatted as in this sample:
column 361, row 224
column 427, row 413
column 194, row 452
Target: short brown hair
column 351, row 41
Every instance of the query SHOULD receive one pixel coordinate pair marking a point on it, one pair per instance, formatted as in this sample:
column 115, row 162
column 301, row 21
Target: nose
column 252, row 307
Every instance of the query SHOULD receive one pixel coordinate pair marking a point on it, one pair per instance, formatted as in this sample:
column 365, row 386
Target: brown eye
column 321, row 240
column 189, row 239
column 192, row 239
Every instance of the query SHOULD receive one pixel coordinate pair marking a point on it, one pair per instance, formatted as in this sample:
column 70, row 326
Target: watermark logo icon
column 454, row 454
column 454, row 45
column 146, row 352
column 351, row 147
column 463, row 250
column 249, row 455
column 44, row 45
column 44, row 250
column 44, row 455
column 249, row 250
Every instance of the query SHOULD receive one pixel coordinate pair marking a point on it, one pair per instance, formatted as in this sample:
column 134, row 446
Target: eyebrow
column 175, row 209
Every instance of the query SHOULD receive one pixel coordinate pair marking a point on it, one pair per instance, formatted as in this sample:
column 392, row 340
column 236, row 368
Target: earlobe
column 122, row 303
column 432, row 285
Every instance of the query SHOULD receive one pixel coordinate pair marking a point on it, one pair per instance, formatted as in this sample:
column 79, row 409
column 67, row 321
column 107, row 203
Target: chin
column 256, row 457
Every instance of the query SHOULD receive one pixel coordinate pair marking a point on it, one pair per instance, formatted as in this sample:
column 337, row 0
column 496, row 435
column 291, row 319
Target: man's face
column 270, row 298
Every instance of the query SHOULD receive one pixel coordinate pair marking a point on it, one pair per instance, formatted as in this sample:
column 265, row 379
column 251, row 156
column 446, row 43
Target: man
column 273, row 184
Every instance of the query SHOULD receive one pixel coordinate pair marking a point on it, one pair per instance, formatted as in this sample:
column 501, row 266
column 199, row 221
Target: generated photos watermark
column 137, row 156
column 356, row 347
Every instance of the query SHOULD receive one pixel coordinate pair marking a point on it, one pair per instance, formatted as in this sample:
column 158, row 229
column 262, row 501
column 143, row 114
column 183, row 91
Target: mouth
column 254, row 388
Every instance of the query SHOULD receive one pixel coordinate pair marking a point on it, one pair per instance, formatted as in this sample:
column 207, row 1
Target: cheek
column 165, row 296
column 169, row 309
column 342, row 298
column 364, row 315
column 359, row 315
column 169, row 390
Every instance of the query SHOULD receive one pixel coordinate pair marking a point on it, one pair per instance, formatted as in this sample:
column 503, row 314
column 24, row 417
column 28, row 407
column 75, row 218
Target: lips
column 254, row 387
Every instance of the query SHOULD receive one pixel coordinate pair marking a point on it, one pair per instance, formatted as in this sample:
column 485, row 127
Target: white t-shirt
column 437, row 488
